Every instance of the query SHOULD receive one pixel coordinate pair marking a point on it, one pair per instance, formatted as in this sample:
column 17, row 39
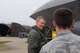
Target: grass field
column 4, row 47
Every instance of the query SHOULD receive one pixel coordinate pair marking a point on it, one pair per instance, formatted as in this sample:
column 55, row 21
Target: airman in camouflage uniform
column 66, row 41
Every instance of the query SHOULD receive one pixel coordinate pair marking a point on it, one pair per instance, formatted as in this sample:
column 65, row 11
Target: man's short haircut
column 63, row 17
column 40, row 17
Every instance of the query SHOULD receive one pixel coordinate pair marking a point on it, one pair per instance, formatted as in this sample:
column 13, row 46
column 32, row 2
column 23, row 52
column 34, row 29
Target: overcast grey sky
column 19, row 10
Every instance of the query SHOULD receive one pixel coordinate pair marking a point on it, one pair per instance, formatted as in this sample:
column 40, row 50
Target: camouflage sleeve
column 53, row 51
column 33, row 40
column 33, row 43
column 42, row 51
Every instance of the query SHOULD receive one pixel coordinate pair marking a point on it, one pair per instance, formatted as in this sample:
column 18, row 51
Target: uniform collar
column 64, row 32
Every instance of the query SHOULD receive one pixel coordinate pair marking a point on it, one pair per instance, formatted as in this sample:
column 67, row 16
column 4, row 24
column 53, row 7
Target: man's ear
column 54, row 24
column 72, row 23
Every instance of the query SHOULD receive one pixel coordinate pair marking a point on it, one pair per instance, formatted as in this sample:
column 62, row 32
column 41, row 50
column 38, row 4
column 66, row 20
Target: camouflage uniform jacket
column 66, row 42
column 36, row 40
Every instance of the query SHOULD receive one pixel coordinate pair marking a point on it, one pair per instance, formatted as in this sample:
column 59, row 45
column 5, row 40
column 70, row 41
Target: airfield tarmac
column 18, row 45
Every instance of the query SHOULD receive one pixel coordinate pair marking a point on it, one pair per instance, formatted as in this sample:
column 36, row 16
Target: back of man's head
column 63, row 17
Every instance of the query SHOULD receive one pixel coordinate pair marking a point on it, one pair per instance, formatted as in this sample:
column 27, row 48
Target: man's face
column 41, row 23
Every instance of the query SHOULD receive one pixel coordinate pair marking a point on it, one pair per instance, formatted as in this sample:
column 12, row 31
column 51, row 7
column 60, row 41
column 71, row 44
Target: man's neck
column 60, row 30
